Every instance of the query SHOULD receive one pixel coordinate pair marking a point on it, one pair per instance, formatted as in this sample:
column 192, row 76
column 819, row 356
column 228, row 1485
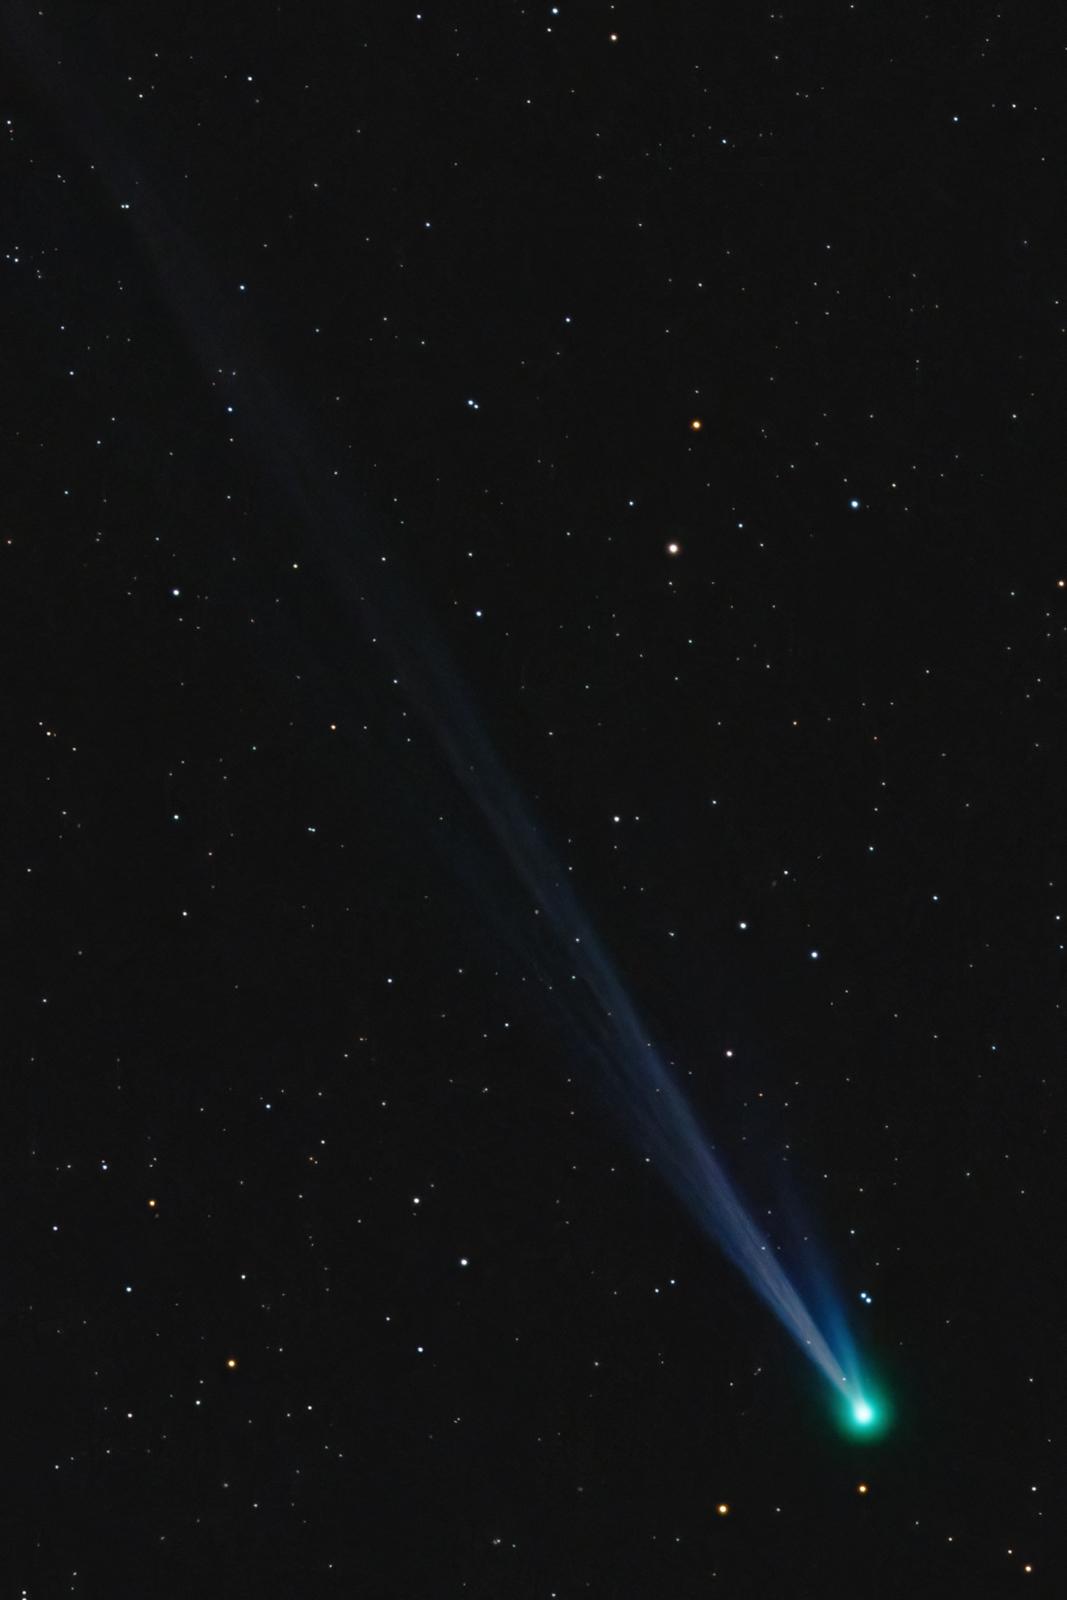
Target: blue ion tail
column 518, row 883
column 557, row 939
column 541, row 918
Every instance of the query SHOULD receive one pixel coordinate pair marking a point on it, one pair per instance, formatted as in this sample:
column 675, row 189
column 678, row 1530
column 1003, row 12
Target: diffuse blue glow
column 579, row 975
column 632, row 1073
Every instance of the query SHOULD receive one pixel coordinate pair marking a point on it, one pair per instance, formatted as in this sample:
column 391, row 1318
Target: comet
column 519, row 885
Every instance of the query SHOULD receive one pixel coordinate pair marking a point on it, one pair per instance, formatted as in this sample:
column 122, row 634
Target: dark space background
column 278, row 1090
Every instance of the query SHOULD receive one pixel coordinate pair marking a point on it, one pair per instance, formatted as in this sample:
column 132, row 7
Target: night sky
column 476, row 479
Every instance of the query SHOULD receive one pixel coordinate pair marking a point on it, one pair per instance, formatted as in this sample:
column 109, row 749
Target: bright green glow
column 865, row 1416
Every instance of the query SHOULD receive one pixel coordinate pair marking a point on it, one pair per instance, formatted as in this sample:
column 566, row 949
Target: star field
column 665, row 405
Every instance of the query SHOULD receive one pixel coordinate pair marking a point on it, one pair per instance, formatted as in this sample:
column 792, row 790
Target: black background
column 264, row 993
